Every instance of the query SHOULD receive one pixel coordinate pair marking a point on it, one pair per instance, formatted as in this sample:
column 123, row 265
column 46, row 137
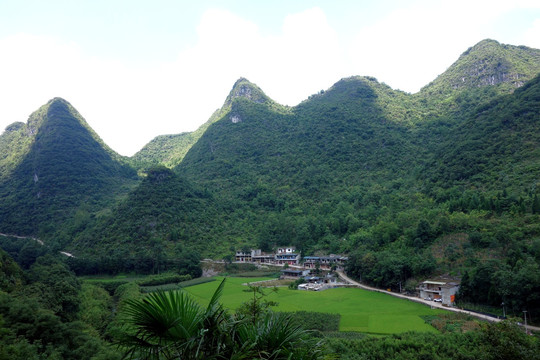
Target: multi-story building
column 324, row 262
column 440, row 290
column 287, row 255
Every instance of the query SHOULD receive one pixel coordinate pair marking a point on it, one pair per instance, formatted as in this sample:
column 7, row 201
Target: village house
column 283, row 255
column 287, row 255
column 254, row 256
column 293, row 273
column 439, row 290
column 243, row 256
column 325, row 262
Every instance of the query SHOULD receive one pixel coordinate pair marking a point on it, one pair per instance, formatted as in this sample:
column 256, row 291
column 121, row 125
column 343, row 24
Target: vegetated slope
column 56, row 166
column 164, row 149
column 169, row 150
column 275, row 143
column 266, row 160
column 159, row 219
column 398, row 181
column 482, row 73
column 354, row 165
column 11, row 275
column 350, row 164
column 496, row 148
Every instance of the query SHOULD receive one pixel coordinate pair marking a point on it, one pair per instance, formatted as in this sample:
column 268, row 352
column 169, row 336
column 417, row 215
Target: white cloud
column 289, row 66
column 412, row 45
column 129, row 104
column 303, row 59
column 34, row 69
column 532, row 35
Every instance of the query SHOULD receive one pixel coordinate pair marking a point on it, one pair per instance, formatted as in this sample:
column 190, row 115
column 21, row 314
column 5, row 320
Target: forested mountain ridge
column 53, row 167
column 497, row 147
column 169, row 150
column 484, row 71
column 341, row 150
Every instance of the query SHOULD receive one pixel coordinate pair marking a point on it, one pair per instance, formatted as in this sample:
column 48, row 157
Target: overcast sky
column 137, row 69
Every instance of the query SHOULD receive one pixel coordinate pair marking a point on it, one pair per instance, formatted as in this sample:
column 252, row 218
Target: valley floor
column 426, row 302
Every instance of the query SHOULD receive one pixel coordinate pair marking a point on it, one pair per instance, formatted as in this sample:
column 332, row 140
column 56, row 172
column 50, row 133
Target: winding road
column 40, row 242
column 23, row 237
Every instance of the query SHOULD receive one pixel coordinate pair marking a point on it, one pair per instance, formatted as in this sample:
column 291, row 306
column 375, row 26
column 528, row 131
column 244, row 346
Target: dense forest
column 408, row 186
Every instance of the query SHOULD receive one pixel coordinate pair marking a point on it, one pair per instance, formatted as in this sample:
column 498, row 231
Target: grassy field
column 360, row 310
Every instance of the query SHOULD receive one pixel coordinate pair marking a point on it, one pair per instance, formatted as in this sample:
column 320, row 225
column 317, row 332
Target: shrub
column 163, row 279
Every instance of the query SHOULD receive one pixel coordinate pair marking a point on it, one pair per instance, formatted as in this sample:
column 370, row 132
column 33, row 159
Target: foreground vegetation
column 172, row 325
column 359, row 310
column 46, row 312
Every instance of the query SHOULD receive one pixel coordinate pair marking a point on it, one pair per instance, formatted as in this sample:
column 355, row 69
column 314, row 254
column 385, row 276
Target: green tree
column 55, row 287
column 257, row 306
column 95, row 307
column 173, row 325
column 506, row 340
column 536, row 204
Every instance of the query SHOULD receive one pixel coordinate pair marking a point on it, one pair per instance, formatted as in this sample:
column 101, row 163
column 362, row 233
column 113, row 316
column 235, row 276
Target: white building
column 440, row 290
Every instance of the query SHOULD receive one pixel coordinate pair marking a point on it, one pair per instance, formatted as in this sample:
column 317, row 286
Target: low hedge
column 163, row 279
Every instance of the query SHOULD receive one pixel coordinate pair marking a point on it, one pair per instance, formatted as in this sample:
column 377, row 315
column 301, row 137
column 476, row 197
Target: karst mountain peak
column 245, row 89
column 488, row 63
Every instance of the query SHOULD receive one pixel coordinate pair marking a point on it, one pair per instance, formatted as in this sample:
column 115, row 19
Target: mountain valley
column 440, row 182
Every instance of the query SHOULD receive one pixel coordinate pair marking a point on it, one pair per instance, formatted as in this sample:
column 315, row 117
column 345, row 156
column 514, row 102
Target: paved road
column 40, row 242
column 422, row 301
column 23, row 237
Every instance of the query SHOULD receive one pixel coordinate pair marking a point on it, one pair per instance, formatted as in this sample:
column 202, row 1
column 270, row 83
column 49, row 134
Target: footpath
column 433, row 304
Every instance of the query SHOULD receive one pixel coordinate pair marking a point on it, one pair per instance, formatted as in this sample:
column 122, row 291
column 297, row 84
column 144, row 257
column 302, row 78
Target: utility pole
column 504, row 312
column 525, row 316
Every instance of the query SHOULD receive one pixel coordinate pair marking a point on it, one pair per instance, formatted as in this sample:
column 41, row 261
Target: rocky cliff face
column 489, row 71
column 489, row 63
column 245, row 89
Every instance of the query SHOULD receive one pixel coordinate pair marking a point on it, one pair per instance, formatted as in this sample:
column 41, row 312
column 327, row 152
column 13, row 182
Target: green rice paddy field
column 361, row 310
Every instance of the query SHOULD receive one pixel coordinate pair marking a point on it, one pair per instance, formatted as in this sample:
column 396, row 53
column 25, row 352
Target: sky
column 137, row 69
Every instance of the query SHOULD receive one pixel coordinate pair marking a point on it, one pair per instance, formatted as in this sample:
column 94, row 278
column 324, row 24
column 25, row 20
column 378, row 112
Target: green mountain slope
column 169, row 150
column 497, row 147
column 160, row 221
column 408, row 185
column 285, row 168
column 483, row 72
column 280, row 143
column 56, row 166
